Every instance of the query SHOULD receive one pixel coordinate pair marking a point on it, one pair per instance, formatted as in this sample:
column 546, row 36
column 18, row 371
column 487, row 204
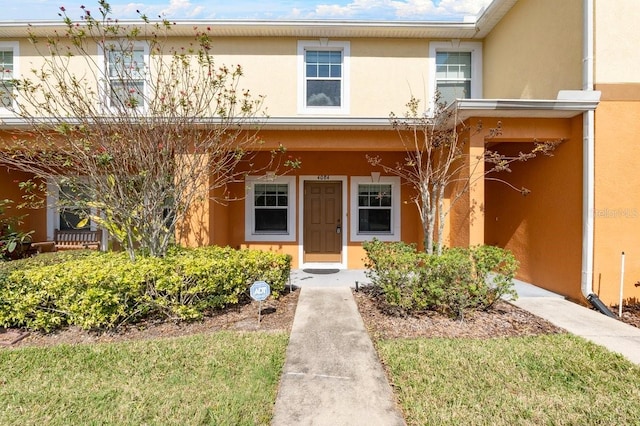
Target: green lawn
column 223, row 379
column 554, row 380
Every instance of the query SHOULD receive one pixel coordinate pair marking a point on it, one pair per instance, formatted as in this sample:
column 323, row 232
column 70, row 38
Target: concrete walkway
column 581, row 321
column 332, row 374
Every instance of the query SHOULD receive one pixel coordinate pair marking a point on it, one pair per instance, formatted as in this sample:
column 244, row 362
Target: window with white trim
column 270, row 209
column 453, row 75
column 375, row 208
column 323, row 83
column 64, row 211
column 126, row 73
column 8, row 72
column 72, row 214
column 456, row 69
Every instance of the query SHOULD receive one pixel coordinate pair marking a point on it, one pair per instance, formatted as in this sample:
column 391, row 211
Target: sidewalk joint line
column 324, row 376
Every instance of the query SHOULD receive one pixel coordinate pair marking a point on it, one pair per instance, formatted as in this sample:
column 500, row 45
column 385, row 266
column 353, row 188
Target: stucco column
column 476, row 189
column 194, row 230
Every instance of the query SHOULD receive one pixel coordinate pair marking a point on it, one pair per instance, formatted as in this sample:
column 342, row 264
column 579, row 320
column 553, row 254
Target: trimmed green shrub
column 103, row 290
column 396, row 269
column 458, row 281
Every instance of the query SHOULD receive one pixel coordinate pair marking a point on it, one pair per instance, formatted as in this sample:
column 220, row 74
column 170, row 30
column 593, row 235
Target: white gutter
column 588, row 154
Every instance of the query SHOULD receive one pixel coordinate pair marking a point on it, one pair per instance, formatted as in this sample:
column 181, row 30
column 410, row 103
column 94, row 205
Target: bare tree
column 132, row 128
column 438, row 168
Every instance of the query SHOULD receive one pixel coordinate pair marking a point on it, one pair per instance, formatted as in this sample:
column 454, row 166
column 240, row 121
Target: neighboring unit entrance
column 322, row 224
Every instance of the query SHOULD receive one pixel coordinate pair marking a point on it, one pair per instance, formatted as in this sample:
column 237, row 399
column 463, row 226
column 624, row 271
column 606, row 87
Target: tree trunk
column 441, row 218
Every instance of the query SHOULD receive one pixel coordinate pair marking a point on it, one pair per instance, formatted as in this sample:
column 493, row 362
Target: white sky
column 389, row 10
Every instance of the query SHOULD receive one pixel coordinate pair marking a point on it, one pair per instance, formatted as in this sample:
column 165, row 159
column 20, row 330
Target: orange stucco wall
column 466, row 218
column 34, row 219
column 544, row 228
column 334, row 163
column 617, row 200
column 221, row 222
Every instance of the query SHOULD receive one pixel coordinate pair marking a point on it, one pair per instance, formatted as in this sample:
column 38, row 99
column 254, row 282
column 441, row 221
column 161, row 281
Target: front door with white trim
column 322, row 222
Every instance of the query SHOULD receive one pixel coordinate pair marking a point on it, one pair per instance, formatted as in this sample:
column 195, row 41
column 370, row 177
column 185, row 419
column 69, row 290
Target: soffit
column 271, row 123
column 299, row 29
column 467, row 108
column 522, row 108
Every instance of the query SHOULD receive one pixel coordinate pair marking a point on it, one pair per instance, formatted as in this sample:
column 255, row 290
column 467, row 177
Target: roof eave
column 270, row 123
column 522, row 108
column 476, row 28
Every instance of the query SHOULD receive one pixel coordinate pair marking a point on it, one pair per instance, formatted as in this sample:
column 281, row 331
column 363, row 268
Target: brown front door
column 322, row 224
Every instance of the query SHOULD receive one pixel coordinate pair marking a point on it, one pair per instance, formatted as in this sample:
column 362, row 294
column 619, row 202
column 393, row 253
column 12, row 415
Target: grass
column 223, row 379
column 556, row 379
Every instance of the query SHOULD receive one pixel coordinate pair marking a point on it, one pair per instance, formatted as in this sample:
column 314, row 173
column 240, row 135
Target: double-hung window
column 323, row 77
column 72, row 215
column 456, row 70
column 126, row 72
column 67, row 208
column 324, row 71
column 453, row 75
column 375, row 209
column 270, row 209
column 8, row 72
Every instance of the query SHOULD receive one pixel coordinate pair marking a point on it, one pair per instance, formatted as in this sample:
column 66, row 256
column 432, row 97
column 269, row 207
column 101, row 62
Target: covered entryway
column 323, row 227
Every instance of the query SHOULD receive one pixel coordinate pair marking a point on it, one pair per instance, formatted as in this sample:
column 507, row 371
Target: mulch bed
column 277, row 316
column 503, row 320
column 630, row 314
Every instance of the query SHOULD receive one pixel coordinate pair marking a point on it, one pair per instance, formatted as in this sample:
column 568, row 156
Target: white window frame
column 249, row 210
column 326, row 45
column 105, row 88
column 15, row 47
column 396, row 209
column 475, row 48
column 53, row 214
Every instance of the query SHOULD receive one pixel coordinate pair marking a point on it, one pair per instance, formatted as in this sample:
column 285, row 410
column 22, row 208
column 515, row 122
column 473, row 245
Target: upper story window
column 126, row 74
column 323, row 83
column 8, row 72
column 456, row 69
column 453, row 75
column 323, row 78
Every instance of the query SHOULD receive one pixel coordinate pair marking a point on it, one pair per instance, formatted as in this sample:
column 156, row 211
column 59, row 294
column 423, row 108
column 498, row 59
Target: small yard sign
column 259, row 291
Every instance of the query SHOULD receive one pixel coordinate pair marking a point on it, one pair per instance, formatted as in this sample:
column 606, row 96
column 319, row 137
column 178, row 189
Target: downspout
column 588, row 169
column 588, row 153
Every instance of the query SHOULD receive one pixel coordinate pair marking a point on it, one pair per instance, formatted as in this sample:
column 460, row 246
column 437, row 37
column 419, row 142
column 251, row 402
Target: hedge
column 95, row 290
column 457, row 281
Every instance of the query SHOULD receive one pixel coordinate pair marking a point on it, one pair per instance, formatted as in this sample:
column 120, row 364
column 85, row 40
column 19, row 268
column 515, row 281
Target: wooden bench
column 76, row 239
